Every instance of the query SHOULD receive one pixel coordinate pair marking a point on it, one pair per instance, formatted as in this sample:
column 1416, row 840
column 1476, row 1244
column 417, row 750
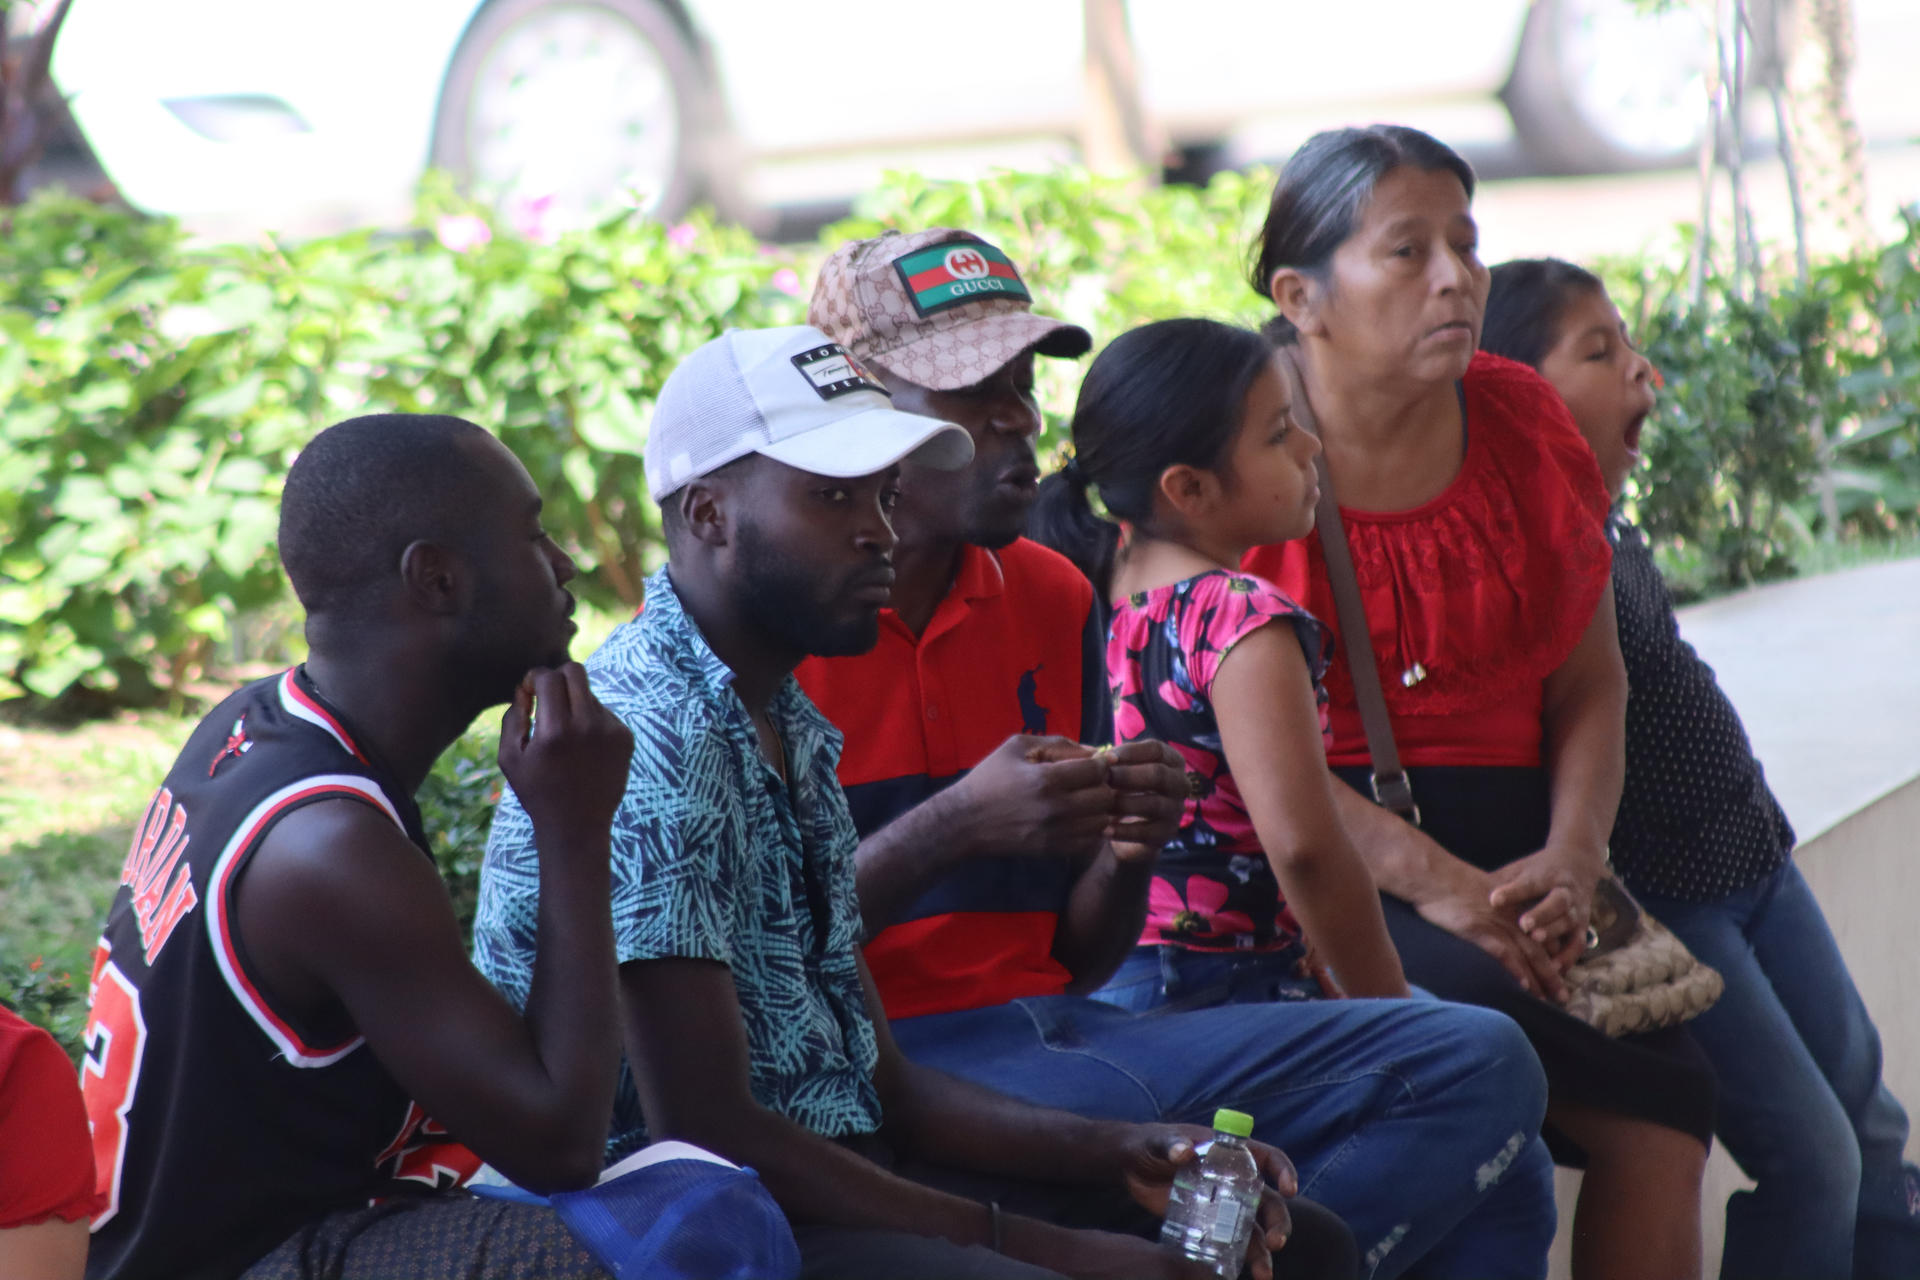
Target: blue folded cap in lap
column 682, row 1218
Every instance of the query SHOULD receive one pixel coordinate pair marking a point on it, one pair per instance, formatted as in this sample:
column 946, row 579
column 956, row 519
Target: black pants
column 1489, row 817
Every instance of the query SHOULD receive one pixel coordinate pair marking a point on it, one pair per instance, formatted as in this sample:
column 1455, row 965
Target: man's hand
column 1154, row 1153
column 568, row 763
column 1464, row 908
column 1034, row 796
column 1550, row 894
column 1149, row 780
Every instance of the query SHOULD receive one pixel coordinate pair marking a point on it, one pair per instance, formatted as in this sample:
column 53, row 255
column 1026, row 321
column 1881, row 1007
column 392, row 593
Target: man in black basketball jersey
column 284, row 1023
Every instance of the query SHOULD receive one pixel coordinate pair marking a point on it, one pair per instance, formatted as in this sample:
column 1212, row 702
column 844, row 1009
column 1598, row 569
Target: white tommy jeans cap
column 794, row 395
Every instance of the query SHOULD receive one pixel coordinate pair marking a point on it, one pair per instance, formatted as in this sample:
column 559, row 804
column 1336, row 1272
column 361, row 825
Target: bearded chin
column 489, row 657
column 776, row 596
column 485, row 673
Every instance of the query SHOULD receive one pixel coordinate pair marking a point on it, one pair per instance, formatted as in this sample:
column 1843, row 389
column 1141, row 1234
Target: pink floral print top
column 1212, row 889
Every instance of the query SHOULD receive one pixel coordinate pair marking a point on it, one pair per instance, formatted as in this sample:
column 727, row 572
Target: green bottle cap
column 1237, row 1123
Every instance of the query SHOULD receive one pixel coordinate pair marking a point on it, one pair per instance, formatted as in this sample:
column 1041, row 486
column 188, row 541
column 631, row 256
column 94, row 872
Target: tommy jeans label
column 956, row 272
column 835, row 373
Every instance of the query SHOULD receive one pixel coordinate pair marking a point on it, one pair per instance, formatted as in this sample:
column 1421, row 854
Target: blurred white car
column 288, row 113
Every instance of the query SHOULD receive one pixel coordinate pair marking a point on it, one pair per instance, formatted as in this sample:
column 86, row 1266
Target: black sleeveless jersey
column 220, row 1125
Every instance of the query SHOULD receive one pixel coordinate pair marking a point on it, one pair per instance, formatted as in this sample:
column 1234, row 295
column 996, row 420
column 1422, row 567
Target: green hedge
column 152, row 394
column 1727, row 489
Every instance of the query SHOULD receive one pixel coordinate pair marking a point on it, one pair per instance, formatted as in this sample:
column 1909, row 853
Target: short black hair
column 1323, row 190
column 362, row 491
column 1525, row 303
column 672, row 524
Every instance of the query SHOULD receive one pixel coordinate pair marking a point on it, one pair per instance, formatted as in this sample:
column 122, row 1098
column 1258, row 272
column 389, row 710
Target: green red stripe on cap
column 958, row 271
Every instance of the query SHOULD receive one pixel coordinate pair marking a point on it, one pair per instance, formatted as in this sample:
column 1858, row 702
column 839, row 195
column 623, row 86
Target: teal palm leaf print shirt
column 715, row 858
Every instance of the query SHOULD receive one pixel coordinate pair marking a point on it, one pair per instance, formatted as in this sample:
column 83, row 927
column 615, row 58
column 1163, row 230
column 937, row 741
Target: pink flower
column 1198, row 914
column 787, row 281
column 529, row 218
column 460, row 232
column 682, row 235
column 1174, row 696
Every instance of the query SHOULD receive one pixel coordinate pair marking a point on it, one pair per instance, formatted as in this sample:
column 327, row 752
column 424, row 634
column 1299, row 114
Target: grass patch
column 69, row 799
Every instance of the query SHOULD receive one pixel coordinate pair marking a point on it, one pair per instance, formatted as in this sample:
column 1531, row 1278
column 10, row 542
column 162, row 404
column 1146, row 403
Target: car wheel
column 1598, row 87
column 554, row 110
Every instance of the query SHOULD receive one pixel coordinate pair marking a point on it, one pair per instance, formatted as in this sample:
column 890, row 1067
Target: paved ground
column 1826, row 673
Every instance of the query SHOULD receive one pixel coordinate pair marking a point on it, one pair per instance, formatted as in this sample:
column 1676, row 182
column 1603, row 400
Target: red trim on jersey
column 290, row 691
column 298, row 1051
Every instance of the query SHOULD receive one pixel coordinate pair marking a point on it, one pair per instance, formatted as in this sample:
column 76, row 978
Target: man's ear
column 1297, row 297
column 435, row 577
column 703, row 510
column 1190, row 490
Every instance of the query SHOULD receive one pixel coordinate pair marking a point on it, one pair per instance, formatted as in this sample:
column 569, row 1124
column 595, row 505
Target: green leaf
column 231, row 401
column 613, row 425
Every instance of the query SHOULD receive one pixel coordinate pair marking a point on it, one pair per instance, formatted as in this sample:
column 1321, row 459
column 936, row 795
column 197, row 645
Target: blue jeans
column 1802, row 1106
column 1415, row 1121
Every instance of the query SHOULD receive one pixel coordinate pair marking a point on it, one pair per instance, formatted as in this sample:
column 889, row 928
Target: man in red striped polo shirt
column 1003, row 867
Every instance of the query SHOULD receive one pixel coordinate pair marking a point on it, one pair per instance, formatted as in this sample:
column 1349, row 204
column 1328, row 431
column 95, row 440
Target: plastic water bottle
column 1215, row 1200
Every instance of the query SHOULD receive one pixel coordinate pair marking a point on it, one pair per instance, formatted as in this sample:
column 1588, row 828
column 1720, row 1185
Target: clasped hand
column 1550, row 896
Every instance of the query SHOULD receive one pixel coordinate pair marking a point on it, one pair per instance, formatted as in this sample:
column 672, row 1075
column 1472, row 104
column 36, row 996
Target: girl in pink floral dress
column 1185, row 429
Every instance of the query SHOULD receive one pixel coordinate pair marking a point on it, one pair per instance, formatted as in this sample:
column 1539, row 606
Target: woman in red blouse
column 1475, row 512
column 47, row 1190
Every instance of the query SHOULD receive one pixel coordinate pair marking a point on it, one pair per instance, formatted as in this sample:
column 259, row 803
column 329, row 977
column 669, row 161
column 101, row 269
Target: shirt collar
column 793, row 712
column 979, row 576
column 664, row 614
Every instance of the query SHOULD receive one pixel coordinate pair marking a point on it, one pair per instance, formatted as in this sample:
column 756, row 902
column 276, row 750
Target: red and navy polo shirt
column 1016, row 646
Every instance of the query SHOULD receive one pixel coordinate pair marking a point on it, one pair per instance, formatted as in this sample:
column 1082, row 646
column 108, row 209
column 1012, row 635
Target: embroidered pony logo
column 1033, row 716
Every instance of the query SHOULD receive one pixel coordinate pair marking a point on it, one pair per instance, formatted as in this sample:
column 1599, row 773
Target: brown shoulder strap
column 1390, row 785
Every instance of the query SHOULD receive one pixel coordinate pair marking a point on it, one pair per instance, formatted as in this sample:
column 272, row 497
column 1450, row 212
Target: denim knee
column 1508, row 1071
column 1818, row 1156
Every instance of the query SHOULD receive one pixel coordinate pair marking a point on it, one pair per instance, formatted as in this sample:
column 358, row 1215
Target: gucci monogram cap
column 941, row 308
column 794, row 395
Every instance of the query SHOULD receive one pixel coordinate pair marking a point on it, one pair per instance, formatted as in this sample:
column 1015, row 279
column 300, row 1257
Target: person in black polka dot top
column 1701, row 840
column 1697, row 820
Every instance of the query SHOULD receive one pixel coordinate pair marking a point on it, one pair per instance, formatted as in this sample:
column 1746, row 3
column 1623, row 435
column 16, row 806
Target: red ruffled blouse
column 1476, row 596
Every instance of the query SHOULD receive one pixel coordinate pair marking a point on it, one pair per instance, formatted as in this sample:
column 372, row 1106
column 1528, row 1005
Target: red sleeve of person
column 46, row 1157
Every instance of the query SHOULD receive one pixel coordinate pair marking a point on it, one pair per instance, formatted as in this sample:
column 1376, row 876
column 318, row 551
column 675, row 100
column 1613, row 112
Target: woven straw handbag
column 1636, row 975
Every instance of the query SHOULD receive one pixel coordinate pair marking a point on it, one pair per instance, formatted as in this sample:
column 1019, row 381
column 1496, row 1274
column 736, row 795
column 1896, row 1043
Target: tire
column 1597, row 88
column 552, row 110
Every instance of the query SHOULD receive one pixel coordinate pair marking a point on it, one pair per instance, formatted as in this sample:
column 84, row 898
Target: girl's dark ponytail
column 1165, row 394
column 1063, row 518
